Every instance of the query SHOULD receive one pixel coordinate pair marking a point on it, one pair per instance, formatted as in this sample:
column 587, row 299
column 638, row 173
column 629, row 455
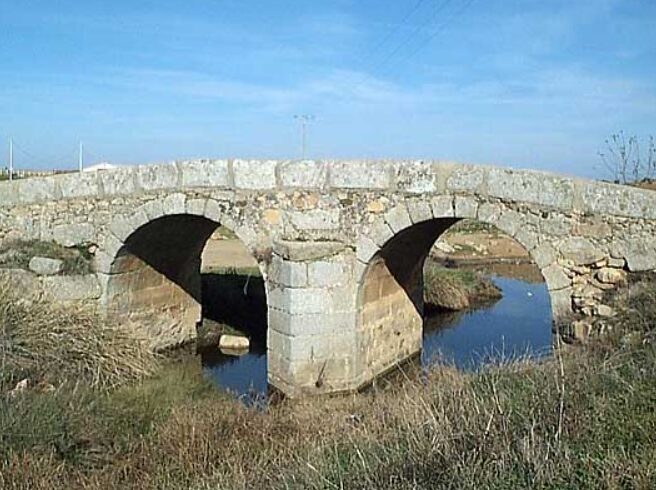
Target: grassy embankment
column 17, row 254
column 97, row 417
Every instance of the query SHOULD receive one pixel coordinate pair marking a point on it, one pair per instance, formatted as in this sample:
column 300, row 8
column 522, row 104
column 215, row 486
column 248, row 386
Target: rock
column 233, row 342
column 604, row 310
column 444, row 247
column 616, row 263
column 580, row 251
column 20, row 387
column 608, row 275
column 44, row 266
column 580, row 330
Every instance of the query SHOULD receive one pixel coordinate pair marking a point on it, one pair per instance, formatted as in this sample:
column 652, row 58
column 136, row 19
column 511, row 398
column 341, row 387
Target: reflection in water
column 516, row 325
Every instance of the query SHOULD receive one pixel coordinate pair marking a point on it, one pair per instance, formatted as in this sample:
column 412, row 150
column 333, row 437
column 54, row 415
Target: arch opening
column 157, row 285
column 398, row 320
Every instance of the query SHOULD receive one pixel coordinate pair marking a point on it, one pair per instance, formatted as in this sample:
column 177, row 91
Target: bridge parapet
column 407, row 177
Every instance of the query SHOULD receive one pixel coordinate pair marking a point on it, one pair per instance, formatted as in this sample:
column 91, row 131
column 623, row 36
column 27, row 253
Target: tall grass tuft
column 50, row 343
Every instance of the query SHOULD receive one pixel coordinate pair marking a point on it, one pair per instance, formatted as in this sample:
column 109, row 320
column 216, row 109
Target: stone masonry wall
column 316, row 226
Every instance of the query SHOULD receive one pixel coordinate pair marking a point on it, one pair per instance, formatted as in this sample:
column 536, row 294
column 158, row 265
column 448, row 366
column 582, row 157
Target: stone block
column 118, row 181
column 72, row 288
column 205, row 173
column 359, row 174
column 580, row 251
column 609, row 275
column 174, row 204
column 416, row 177
column 37, row 189
column 327, row 274
column 467, row 178
column 531, row 187
column 603, row 198
column 288, row 273
column 254, row 174
column 195, row 207
column 527, row 238
column 44, row 266
column 366, row 249
column 465, row 207
column 442, row 207
column 561, row 305
column 157, row 177
column 398, row 218
column 638, row 252
column 380, row 232
column 303, row 174
column 544, row 255
column 556, row 278
column 489, row 212
column 419, row 210
column 300, row 301
column 73, row 234
column 78, row 184
column 510, row 222
column 304, row 251
column 314, row 219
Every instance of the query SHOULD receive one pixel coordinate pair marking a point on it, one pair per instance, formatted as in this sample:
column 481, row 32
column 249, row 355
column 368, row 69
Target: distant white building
column 100, row 166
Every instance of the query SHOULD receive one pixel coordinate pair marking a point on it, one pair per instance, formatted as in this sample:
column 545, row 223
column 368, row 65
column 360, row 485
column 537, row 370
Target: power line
column 415, row 32
column 393, row 31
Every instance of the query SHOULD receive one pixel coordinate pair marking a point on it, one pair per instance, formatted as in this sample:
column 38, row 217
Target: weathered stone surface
column 580, row 251
column 44, row 266
column 72, row 288
column 205, row 173
column 304, row 174
column 555, row 277
column 610, row 276
column 306, row 251
column 465, row 207
column 416, row 177
column 254, row 174
column 233, row 342
column 324, row 234
column 360, row 175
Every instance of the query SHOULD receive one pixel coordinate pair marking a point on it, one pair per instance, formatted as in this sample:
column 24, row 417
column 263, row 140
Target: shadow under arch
column 390, row 299
column 155, row 282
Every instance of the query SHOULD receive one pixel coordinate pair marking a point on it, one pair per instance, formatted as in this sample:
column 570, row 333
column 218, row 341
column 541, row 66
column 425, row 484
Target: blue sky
column 522, row 83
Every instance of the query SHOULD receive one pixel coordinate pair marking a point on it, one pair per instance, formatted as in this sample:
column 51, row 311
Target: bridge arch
column 392, row 252
column 153, row 268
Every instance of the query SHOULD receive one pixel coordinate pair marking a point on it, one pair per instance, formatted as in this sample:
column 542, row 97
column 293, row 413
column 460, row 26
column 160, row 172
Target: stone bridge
column 340, row 244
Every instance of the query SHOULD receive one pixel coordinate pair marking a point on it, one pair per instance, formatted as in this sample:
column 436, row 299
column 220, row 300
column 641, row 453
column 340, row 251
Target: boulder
column 233, row 342
column 44, row 266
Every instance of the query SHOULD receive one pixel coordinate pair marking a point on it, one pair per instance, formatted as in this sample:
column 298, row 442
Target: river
column 517, row 325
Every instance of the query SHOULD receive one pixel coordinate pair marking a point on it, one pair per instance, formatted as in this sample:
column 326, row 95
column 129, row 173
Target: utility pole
column 11, row 159
column 81, row 158
column 304, row 119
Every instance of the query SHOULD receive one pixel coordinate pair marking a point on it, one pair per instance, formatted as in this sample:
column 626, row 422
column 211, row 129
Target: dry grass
column 49, row 343
column 584, row 419
column 456, row 289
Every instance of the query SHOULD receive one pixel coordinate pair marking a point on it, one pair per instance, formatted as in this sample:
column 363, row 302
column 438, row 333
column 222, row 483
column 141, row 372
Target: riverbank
column 584, row 419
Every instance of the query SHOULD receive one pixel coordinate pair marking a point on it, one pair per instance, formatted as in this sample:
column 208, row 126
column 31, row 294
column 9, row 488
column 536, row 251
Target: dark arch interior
column 157, row 285
column 392, row 314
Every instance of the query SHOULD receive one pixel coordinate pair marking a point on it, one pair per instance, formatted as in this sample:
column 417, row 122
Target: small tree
column 625, row 161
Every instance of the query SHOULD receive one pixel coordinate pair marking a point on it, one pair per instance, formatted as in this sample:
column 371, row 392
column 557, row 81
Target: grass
column 584, row 419
column 17, row 254
column 456, row 289
column 50, row 344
